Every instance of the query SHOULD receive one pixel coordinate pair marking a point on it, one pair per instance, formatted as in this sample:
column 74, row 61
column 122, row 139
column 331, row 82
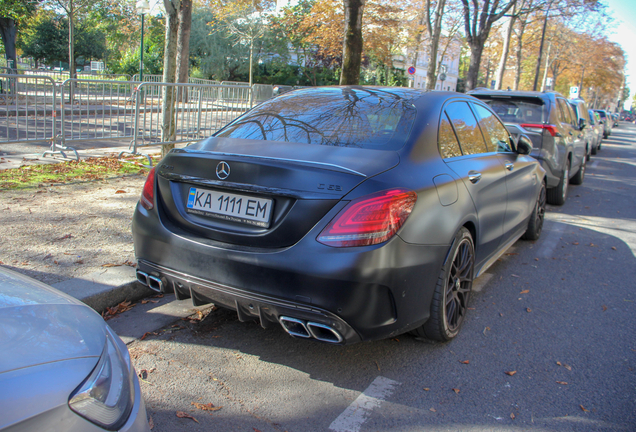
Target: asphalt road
column 549, row 345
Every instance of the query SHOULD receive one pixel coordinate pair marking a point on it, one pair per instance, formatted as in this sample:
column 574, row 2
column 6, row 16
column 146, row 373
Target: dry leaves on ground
column 112, row 311
column 182, row 414
column 206, row 407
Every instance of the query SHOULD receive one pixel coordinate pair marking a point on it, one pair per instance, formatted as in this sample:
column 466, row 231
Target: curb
column 106, row 288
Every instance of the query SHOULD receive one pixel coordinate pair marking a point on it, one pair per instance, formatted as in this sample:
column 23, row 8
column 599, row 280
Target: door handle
column 510, row 166
column 474, row 176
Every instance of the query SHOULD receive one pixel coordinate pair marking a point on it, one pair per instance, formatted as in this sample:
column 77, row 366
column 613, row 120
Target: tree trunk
column 352, row 50
column 71, row 41
column 476, row 50
column 183, row 46
column 504, row 52
column 545, row 71
column 538, row 68
column 8, row 32
column 518, row 53
column 434, row 32
column 168, row 132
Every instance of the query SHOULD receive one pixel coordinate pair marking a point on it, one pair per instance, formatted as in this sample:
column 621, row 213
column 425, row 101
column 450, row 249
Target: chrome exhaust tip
column 324, row 333
column 142, row 278
column 294, row 327
column 155, row 283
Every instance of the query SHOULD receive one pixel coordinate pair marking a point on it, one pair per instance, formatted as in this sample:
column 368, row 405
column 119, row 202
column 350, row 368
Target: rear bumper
column 364, row 293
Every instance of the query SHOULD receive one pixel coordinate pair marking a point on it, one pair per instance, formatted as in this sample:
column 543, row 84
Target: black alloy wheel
column 535, row 224
column 450, row 300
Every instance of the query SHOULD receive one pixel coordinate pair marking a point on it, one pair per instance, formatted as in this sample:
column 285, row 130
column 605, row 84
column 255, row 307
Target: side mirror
column 524, row 145
column 582, row 124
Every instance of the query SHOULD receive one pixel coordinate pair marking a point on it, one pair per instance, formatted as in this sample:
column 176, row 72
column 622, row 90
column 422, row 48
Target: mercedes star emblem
column 222, row 170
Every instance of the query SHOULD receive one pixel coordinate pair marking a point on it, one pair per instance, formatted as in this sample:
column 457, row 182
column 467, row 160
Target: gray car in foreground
column 61, row 367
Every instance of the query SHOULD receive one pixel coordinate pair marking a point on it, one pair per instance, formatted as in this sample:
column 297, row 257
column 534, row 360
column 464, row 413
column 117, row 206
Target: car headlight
column 107, row 396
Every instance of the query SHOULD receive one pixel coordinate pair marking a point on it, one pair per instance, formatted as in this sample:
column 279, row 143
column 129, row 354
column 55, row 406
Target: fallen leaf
column 111, row 265
column 206, row 407
column 426, row 389
column 613, row 248
column 500, row 314
column 151, row 423
column 575, row 243
column 559, row 363
column 511, row 373
column 528, row 310
column 486, row 328
column 182, row 414
column 562, row 382
column 512, row 416
column 147, row 334
column 256, row 430
column 592, row 244
column 568, row 367
column 464, row 362
column 524, row 292
column 378, row 366
column 79, row 261
column 583, row 408
column 604, row 308
column 514, row 275
column 456, row 390
column 120, row 191
column 512, row 253
column 536, row 259
column 433, row 410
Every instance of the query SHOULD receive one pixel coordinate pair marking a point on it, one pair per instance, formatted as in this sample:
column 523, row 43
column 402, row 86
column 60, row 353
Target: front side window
column 465, row 125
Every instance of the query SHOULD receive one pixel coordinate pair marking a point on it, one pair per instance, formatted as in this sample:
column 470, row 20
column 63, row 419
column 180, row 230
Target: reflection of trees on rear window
column 365, row 118
column 516, row 111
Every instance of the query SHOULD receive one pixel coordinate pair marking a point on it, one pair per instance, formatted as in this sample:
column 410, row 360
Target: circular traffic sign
column 411, row 70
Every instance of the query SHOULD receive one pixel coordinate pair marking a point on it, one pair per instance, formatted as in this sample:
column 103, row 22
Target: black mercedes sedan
column 343, row 214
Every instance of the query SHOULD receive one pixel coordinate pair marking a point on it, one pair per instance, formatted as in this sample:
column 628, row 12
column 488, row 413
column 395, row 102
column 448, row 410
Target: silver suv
column 551, row 123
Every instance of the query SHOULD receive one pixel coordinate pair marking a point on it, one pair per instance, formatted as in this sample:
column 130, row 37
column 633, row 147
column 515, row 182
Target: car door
column 481, row 172
column 521, row 180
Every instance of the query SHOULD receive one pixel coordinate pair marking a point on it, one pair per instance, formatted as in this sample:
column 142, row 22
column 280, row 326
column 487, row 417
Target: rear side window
column 448, row 144
column 465, row 125
column 564, row 111
column 495, row 133
column 522, row 110
column 363, row 118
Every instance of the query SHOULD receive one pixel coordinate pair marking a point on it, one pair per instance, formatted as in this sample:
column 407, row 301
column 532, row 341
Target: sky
column 624, row 11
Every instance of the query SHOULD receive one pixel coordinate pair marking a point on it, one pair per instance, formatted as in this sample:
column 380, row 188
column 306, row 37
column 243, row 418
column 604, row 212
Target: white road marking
column 359, row 411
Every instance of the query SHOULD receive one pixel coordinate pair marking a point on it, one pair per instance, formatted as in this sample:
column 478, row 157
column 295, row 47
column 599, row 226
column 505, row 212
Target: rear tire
column 580, row 175
column 452, row 292
column 535, row 224
column 558, row 194
column 595, row 149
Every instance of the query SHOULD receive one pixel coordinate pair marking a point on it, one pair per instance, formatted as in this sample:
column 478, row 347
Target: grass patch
column 72, row 171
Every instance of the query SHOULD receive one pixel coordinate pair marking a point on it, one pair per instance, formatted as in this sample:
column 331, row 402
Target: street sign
column 442, row 77
column 574, row 92
column 411, row 70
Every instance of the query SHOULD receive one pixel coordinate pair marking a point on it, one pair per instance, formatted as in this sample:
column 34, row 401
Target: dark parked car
column 550, row 122
column 342, row 213
column 583, row 121
column 62, row 368
column 598, row 127
column 606, row 121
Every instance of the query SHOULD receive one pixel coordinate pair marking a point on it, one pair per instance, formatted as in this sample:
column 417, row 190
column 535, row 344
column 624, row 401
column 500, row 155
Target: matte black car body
column 343, row 294
column 553, row 128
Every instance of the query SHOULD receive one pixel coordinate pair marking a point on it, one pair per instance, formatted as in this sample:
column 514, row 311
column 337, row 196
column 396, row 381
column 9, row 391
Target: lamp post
column 143, row 7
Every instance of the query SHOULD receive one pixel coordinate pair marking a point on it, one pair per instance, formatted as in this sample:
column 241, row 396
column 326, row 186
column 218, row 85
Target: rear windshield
column 601, row 113
column 527, row 110
column 362, row 117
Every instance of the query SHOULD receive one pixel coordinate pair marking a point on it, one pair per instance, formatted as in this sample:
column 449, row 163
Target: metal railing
column 27, row 108
column 34, row 107
column 205, row 110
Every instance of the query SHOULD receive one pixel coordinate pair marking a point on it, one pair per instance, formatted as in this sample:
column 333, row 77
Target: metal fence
column 199, row 111
column 27, row 108
column 36, row 107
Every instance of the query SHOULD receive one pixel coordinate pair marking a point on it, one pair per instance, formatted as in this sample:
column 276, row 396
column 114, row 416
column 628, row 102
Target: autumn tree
column 12, row 13
column 479, row 16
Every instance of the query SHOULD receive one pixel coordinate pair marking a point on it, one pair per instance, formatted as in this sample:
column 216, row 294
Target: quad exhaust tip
column 307, row 330
column 152, row 282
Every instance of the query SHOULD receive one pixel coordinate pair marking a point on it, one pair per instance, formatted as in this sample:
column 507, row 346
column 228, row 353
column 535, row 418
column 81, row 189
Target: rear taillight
column 148, row 194
column 540, row 128
column 369, row 220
